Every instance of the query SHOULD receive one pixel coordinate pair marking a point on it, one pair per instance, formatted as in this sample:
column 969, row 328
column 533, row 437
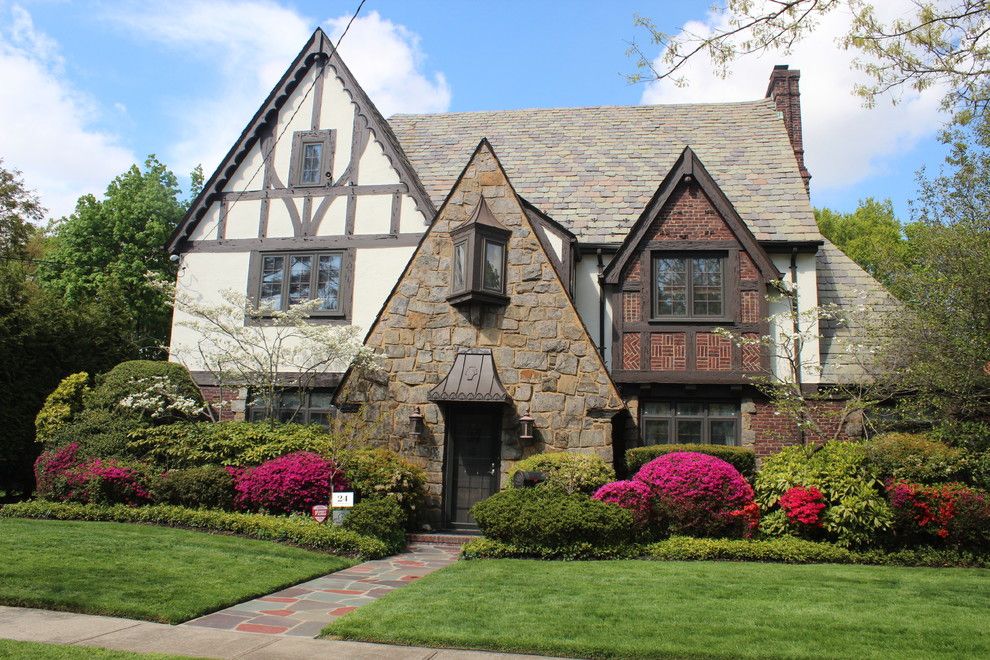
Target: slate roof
column 594, row 169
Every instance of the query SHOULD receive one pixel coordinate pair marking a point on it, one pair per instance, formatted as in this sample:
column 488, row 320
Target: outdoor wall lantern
column 526, row 427
column 416, row 421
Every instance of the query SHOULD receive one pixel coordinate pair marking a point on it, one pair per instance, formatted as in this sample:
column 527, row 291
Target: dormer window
column 478, row 260
column 312, row 159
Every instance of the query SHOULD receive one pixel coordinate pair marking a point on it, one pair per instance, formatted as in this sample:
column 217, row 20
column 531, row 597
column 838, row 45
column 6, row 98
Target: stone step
column 443, row 538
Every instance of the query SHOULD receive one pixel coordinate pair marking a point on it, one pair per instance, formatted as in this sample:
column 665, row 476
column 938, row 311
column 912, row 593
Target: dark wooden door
column 473, row 441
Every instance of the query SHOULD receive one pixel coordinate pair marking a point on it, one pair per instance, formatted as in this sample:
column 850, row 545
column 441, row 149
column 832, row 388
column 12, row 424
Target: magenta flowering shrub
column 697, row 493
column 288, row 484
column 635, row 496
column 61, row 474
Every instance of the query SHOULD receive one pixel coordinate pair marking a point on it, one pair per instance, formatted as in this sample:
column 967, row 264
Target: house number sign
column 342, row 500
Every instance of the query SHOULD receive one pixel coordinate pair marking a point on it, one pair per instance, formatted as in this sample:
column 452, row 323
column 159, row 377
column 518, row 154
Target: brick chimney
column 784, row 91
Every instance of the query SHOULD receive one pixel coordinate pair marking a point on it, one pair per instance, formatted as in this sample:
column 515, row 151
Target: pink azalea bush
column 288, row 484
column 697, row 493
column 634, row 496
column 61, row 474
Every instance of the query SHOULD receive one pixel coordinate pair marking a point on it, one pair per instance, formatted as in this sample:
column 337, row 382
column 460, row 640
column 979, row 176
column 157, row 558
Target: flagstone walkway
column 303, row 610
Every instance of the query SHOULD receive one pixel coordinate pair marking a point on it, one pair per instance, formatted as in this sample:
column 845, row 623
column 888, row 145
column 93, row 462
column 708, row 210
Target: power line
column 288, row 123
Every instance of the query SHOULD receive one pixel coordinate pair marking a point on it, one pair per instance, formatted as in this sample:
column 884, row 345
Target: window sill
column 319, row 319
column 692, row 320
column 483, row 297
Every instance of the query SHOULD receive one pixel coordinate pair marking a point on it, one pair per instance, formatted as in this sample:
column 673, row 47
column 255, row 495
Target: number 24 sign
column 342, row 500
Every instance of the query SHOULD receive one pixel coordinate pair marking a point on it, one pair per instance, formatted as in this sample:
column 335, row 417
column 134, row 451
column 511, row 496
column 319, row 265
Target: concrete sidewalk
column 33, row 625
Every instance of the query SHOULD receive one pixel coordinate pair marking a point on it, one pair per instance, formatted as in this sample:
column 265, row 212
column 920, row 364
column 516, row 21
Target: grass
column 685, row 609
column 142, row 571
column 39, row 651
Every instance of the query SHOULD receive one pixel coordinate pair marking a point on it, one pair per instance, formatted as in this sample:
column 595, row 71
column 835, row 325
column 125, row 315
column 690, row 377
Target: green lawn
column 36, row 651
column 142, row 571
column 686, row 609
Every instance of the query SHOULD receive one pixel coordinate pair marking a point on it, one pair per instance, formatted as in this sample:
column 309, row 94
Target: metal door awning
column 472, row 378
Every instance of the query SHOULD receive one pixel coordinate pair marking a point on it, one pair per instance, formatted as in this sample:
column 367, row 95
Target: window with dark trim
column 287, row 279
column 311, row 162
column 688, row 287
column 478, row 263
column 297, row 406
column 689, row 422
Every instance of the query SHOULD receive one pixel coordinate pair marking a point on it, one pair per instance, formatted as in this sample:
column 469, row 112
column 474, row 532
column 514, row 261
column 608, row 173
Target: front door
column 473, row 442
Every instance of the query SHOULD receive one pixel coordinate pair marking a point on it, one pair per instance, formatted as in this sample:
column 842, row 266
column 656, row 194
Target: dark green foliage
column 971, row 436
column 133, row 377
column 741, row 458
column 486, row 548
column 790, row 550
column 295, row 530
column 545, row 519
column 206, row 487
column 570, row 472
column 381, row 518
column 375, row 473
column 190, row 444
column 916, row 458
column 100, row 434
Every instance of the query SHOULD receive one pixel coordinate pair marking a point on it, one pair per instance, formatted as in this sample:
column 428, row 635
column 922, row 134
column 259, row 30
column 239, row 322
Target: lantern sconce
column 526, row 427
column 416, row 421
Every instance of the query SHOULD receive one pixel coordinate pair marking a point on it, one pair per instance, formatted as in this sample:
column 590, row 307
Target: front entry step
column 457, row 538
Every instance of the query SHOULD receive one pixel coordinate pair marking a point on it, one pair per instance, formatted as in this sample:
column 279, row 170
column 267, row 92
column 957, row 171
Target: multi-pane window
column 291, row 279
column 691, row 422
column 494, row 261
column 688, row 287
column 312, row 158
column 296, row 406
column 460, row 267
column 312, row 162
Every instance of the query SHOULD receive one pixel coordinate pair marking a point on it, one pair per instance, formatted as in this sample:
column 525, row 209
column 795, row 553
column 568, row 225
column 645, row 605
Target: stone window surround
column 300, row 139
column 341, row 316
column 706, row 418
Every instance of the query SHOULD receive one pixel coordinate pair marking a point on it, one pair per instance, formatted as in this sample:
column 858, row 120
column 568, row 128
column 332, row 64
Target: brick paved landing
column 303, row 610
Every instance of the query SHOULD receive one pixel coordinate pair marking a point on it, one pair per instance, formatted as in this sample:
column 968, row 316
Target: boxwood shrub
column 376, row 473
column 570, row 472
column 916, row 458
column 549, row 518
column 381, row 518
column 209, row 487
column 741, row 458
column 485, row 548
column 294, row 530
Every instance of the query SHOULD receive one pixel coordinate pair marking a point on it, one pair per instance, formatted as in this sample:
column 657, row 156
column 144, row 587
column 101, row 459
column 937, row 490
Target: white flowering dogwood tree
column 243, row 345
column 864, row 368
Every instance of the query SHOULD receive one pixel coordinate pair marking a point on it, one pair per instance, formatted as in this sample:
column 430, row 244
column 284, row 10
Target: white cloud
column 844, row 142
column 252, row 43
column 47, row 125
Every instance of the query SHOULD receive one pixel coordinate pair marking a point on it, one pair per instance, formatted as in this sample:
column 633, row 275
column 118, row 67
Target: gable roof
column 688, row 165
column 318, row 51
column 595, row 169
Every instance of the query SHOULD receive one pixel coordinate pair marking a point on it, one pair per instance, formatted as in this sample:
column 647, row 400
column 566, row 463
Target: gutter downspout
column 795, row 317
column 601, row 304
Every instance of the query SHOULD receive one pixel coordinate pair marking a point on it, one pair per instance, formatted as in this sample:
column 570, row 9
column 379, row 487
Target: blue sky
column 99, row 84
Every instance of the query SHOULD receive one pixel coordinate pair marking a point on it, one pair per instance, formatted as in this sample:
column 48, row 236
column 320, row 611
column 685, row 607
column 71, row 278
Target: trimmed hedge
column 569, row 471
column 381, row 518
column 296, row 530
column 791, row 550
column 492, row 549
column 741, row 458
column 916, row 458
column 377, row 473
column 207, row 487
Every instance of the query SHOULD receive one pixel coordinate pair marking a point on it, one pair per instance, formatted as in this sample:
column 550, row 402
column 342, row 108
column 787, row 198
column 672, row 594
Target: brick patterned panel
column 633, row 273
column 632, row 306
column 689, row 216
column 631, row 351
column 747, row 269
column 751, row 353
column 668, row 351
column 750, row 307
column 712, row 352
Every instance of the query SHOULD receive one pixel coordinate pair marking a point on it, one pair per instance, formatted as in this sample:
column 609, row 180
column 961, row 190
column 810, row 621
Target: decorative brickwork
column 749, row 307
column 546, row 361
column 632, row 306
column 633, row 274
column 751, row 352
column 747, row 269
column 631, row 351
column 668, row 351
column 230, row 405
column 689, row 216
column 712, row 352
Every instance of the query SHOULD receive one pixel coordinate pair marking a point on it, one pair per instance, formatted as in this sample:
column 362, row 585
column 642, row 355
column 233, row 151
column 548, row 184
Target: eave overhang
column 472, row 379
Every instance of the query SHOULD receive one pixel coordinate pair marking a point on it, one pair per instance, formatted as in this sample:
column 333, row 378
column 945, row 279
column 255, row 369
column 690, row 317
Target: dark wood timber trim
column 318, row 191
column 346, row 292
column 396, row 212
column 290, row 205
column 304, row 243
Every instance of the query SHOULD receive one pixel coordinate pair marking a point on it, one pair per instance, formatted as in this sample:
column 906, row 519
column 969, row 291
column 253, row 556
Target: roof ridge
column 638, row 106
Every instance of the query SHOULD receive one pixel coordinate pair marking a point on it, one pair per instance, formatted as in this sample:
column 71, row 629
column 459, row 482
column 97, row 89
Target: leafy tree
column 931, row 43
column 19, row 208
column 871, row 236
column 108, row 248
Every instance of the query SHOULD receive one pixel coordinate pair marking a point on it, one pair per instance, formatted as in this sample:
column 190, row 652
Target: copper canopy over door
column 473, row 451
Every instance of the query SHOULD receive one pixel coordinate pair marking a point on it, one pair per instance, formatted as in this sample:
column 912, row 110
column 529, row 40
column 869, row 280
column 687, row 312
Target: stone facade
column 545, row 358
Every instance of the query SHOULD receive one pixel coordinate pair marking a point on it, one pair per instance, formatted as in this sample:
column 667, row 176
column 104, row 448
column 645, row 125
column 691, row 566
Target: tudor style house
column 535, row 280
